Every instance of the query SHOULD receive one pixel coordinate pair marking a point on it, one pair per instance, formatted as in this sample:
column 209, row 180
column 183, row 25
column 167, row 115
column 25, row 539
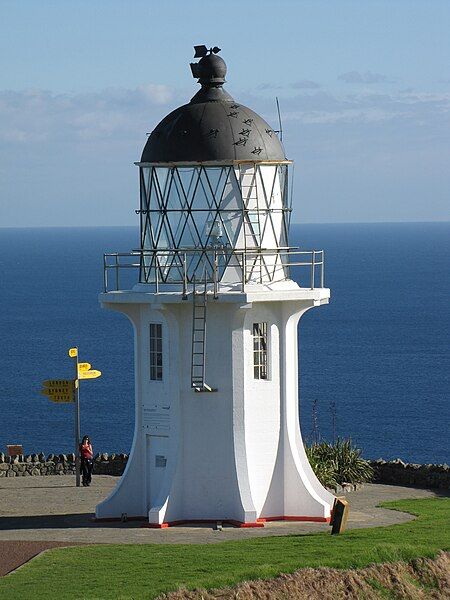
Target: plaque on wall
column 156, row 419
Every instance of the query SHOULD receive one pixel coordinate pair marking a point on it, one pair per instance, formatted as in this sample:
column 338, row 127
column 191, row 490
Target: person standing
column 87, row 460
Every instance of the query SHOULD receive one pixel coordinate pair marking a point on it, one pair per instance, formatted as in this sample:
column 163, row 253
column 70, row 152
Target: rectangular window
column 260, row 350
column 156, row 357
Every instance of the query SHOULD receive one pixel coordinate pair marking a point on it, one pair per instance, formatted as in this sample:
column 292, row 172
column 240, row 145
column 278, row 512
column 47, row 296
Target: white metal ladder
column 198, row 363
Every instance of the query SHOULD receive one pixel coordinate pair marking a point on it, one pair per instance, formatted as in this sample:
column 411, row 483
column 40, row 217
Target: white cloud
column 305, row 84
column 268, row 86
column 39, row 115
column 399, row 108
column 157, row 93
column 66, row 156
column 367, row 77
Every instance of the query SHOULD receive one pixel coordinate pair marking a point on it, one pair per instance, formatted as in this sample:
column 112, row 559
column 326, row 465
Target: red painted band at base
column 258, row 523
column 306, row 519
column 231, row 522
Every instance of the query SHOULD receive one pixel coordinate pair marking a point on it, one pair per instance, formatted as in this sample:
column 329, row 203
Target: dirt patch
column 421, row 578
column 13, row 553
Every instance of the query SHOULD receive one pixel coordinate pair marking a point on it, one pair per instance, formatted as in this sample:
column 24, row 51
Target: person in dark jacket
column 87, row 460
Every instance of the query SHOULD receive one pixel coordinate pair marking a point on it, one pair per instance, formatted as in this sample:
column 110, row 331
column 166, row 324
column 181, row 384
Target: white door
column 156, row 466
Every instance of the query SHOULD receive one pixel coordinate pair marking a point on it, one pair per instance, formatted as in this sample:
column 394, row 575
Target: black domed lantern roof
column 213, row 126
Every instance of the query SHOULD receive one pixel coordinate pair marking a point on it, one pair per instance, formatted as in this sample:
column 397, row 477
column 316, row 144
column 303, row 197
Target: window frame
column 260, row 350
column 156, row 362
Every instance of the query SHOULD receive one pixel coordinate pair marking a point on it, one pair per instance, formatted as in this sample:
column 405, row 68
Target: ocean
column 374, row 363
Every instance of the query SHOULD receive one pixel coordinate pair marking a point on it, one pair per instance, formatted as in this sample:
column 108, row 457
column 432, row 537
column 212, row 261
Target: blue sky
column 364, row 88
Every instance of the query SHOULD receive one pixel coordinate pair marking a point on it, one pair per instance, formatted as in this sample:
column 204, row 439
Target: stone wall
column 396, row 472
column 58, row 464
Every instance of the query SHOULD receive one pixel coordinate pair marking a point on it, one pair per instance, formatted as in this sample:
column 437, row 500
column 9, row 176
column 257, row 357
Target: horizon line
column 418, row 222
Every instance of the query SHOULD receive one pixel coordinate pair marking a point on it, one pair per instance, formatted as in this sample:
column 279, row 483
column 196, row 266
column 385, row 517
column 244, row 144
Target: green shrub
column 338, row 463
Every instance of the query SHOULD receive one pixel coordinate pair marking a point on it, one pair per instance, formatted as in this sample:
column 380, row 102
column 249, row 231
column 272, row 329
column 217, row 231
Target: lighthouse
column 215, row 314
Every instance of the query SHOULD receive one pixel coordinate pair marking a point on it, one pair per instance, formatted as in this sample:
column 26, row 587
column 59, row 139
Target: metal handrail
column 176, row 261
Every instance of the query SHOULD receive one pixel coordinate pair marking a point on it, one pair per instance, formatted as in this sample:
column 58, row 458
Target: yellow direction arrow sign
column 84, row 367
column 90, row 374
column 58, row 390
column 60, row 384
column 58, row 396
column 73, row 352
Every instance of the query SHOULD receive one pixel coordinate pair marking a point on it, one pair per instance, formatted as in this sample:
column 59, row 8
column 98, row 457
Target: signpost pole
column 76, row 392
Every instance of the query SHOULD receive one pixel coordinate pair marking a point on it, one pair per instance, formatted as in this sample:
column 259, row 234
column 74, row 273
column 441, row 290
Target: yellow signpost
column 58, row 384
column 68, row 391
column 59, row 390
column 90, row 374
column 59, row 398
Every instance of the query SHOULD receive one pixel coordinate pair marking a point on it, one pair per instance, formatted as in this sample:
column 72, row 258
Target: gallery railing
column 216, row 267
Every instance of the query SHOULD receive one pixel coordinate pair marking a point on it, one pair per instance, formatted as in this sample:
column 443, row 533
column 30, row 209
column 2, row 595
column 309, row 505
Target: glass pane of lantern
column 161, row 177
column 217, row 177
column 188, row 237
column 231, row 208
column 187, row 177
column 199, row 218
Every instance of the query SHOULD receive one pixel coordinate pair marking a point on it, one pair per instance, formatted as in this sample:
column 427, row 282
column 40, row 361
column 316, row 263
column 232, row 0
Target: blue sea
column 379, row 352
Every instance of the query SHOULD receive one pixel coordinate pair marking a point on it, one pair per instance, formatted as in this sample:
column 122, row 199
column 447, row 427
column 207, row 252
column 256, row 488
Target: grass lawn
column 144, row 571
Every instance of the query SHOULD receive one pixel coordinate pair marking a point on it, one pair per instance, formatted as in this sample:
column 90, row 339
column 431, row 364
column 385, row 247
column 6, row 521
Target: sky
column 363, row 86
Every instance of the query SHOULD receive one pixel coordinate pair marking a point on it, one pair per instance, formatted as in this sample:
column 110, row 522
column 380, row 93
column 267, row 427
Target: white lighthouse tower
column 215, row 316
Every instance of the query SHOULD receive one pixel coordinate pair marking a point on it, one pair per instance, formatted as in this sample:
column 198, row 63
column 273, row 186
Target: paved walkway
column 53, row 509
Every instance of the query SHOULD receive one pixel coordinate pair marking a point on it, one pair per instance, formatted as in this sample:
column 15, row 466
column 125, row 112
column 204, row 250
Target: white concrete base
column 232, row 455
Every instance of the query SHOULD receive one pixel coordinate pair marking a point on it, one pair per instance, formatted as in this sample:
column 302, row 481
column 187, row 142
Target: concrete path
column 53, row 509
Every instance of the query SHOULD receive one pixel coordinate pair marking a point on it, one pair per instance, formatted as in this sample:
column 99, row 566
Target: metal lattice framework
column 227, row 208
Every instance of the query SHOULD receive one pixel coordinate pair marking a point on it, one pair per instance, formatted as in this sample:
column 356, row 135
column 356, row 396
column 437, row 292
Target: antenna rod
column 279, row 119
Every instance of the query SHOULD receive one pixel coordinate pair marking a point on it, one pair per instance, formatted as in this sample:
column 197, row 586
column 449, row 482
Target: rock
column 50, row 457
column 26, row 474
column 41, row 456
column 34, row 458
column 4, row 467
column 35, row 471
column 10, row 473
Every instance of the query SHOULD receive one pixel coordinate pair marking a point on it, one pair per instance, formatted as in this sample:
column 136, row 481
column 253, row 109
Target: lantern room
column 214, row 190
